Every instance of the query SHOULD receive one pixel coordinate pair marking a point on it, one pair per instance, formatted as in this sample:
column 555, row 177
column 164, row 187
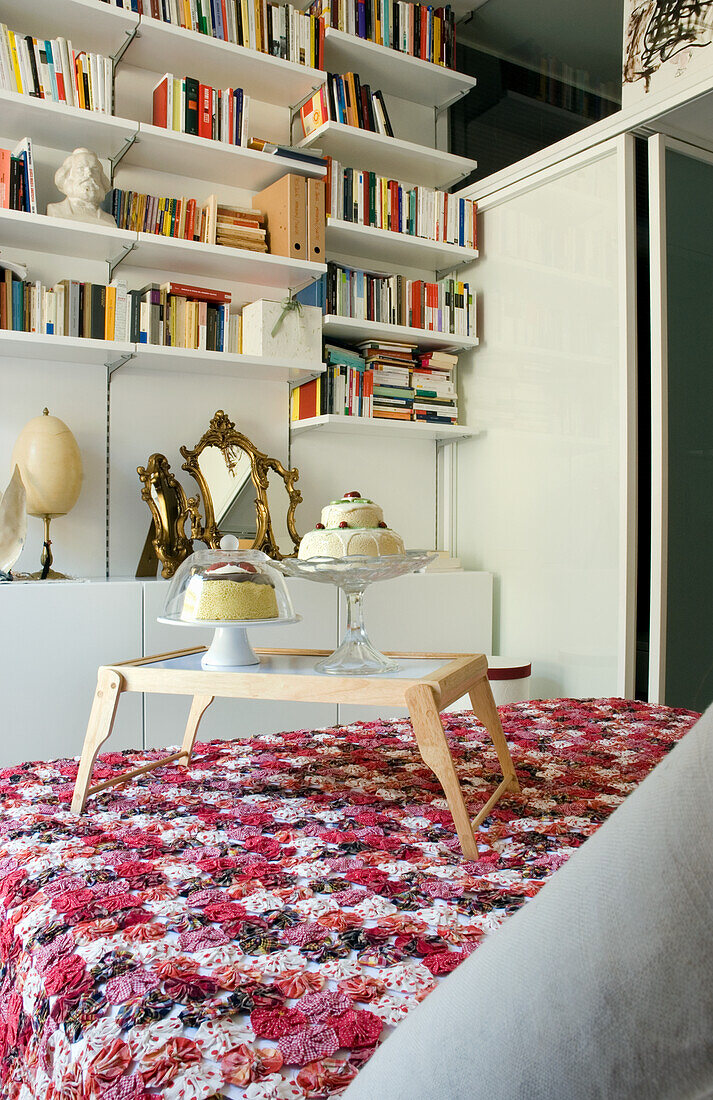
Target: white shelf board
column 397, row 248
column 162, row 47
column 354, row 330
column 221, row 262
column 60, row 349
column 393, row 72
column 367, row 425
column 101, row 28
column 61, row 127
column 187, row 361
column 216, row 161
column 400, row 160
column 61, row 237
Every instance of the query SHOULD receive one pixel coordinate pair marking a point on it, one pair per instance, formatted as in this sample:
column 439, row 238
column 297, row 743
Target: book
column 344, row 100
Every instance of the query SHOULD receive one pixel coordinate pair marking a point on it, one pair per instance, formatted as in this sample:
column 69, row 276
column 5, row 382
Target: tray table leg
column 199, row 706
column 485, row 710
column 433, row 747
column 101, row 720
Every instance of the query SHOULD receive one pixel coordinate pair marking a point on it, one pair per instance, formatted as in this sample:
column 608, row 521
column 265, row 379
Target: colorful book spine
column 50, row 69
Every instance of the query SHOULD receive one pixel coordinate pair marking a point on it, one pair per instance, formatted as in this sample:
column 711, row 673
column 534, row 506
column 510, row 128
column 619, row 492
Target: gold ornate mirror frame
column 167, row 538
column 223, row 434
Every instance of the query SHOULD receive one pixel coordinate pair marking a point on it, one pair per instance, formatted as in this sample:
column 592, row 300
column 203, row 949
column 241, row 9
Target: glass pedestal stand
column 356, row 655
column 230, row 647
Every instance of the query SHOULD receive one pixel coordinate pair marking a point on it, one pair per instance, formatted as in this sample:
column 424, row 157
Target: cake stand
column 355, row 655
column 230, row 647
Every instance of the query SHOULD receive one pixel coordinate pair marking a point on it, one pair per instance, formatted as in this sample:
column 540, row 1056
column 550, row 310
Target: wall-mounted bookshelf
column 61, row 127
column 60, row 237
column 163, row 47
column 395, row 73
column 392, row 157
column 375, row 426
column 238, row 265
column 221, row 364
column 355, row 331
column 101, row 28
column 351, row 239
column 60, row 349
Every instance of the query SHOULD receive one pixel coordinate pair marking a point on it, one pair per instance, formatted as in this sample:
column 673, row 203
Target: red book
column 205, row 111
column 177, row 218
column 5, row 166
column 225, row 19
column 308, row 400
column 160, row 103
column 198, row 293
column 190, row 219
column 416, row 289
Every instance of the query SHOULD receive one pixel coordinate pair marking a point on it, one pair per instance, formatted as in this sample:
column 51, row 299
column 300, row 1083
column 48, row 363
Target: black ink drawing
column 658, row 30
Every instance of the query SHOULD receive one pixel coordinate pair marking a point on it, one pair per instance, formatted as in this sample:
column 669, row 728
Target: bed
column 254, row 926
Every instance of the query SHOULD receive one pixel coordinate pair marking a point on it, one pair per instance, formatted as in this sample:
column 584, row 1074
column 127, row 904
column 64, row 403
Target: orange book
column 110, row 313
column 5, row 165
column 314, row 113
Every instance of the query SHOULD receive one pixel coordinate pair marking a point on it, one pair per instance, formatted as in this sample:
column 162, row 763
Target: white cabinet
column 54, row 636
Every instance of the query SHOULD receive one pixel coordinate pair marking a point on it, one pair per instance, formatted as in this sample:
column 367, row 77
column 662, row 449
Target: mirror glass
column 227, row 472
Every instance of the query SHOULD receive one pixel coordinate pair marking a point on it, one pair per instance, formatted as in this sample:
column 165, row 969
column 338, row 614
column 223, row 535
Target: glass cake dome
column 220, row 587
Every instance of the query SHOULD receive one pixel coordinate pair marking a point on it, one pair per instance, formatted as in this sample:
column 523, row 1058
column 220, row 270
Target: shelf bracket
column 441, row 107
column 116, row 160
column 113, row 264
column 295, row 107
column 115, row 364
column 130, row 36
column 441, row 274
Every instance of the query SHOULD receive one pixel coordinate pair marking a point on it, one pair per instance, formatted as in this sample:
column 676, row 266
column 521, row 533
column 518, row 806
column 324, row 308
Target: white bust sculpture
column 82, row 179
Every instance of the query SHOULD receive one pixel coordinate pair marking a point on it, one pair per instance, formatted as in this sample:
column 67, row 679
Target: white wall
column 539, row 492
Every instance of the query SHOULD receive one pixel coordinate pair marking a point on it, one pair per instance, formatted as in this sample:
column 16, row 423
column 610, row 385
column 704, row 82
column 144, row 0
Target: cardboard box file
column 285, row 204
column 299, row 337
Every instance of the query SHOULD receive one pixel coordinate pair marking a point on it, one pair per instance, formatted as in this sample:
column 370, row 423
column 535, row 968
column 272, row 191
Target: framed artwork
column 665, row 41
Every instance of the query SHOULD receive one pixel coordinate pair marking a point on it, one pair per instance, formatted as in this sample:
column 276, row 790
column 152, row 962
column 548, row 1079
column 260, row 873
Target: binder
column 316, row 219
column 285, row 202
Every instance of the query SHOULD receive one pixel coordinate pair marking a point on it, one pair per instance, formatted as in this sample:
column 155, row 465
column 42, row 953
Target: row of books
column 170, row 314
column 345, row 99
column 278, row 29
column 447, row 306
column 384, row 380
column 365, row 198
column 186, row 106
column 17, row 178
column 416, row 29
column 210, row 222
column 52, row 69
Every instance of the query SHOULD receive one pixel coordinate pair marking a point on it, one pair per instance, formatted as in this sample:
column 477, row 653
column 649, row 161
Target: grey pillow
column 601, row 986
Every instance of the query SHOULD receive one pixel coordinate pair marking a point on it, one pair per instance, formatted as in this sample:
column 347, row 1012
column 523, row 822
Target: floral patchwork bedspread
column 253, row 926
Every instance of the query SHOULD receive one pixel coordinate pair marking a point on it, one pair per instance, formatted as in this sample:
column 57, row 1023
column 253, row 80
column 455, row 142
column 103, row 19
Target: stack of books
column 390, row 366
column 189, row 107
column 17, row 178
column 210, row 223
column 50, row 68
column 366, row 198
column 425, row 32
column 345, row 388
column 278, row 29
column 345, row 99
column 180, row 316
column 435, row 397
column 446, row 307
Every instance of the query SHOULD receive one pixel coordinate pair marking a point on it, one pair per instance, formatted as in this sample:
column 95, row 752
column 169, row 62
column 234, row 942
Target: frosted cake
column 351, row 525
column 229, row 593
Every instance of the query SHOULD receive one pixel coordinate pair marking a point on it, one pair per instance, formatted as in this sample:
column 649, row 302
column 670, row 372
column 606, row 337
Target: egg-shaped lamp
column 50, row 464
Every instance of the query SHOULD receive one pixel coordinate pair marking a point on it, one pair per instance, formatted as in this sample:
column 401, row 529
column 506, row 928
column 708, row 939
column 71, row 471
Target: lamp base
column 51, row 575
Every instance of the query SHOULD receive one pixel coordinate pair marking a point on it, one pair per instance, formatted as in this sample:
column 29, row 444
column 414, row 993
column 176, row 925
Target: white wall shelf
column 400, row 160
column 161, row 47
column 187, row 361
column 61, row 127
column 374, row 426
column 393, row 72
column 61, row 349
column 61, row 237
column 238, row 265
column 216, row 161
column 101, row 28
column 355, row 330
column 398, row 248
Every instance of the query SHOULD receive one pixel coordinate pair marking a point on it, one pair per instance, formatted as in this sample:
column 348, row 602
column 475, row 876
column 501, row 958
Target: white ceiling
column 585, row 34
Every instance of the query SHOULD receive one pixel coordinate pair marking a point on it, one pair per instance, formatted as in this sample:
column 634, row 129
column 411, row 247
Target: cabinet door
column 546, row 493
column 681, row 225
column 165, row 715
column 55, row 635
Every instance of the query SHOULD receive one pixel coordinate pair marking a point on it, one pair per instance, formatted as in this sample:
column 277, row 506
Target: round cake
column 229, row 593
column 351, row 525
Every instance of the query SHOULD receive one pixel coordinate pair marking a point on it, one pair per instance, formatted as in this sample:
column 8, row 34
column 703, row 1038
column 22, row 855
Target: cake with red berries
column 229, row 592
column 351, row 525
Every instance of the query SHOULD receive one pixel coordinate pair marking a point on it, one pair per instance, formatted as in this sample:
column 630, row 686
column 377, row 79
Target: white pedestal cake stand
column 355, row 655
column 230, row 647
